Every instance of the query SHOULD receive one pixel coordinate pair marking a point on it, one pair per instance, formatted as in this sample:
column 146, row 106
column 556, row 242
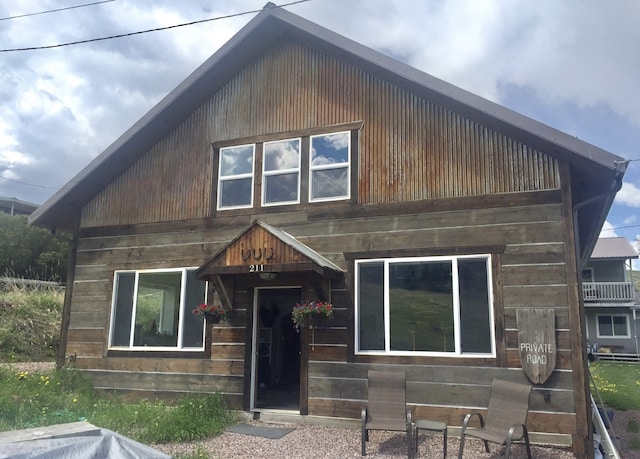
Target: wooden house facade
column 296, row 165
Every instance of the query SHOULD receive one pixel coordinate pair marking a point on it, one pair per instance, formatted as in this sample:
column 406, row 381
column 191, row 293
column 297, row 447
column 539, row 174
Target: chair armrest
column 409, row 415
column 468, row 418
column 363, row 416
column 513, row 428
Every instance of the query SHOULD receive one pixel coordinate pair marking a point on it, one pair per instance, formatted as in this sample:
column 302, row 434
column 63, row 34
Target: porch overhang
column 261, row 250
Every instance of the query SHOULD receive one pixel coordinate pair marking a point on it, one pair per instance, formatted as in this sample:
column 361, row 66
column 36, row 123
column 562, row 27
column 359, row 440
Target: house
column 297, row 165
column 14, row 206
column 610, row 299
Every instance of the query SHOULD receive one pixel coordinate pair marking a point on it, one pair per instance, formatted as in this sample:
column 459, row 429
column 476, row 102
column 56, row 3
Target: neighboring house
column 611, row 306
column 13, row 206
column 296, row 164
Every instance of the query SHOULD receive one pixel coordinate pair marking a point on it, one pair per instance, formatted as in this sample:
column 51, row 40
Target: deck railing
column 608, row 291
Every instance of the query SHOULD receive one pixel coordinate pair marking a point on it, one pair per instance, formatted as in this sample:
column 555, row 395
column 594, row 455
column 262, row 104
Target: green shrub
column 30, row 326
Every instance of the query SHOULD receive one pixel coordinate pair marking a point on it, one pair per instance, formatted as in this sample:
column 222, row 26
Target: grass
column 30, row 326
column 56, row 397
column 618, row 384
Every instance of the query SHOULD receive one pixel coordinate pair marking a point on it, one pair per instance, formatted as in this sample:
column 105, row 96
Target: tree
column 31, row 253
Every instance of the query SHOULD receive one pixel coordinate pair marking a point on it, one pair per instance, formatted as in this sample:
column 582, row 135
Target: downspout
column 580, row 261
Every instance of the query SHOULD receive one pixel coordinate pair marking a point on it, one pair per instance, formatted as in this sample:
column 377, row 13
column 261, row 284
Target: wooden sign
column 537, row 342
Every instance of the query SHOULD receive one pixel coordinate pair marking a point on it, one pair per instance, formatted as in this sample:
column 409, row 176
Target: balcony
column 603, row 292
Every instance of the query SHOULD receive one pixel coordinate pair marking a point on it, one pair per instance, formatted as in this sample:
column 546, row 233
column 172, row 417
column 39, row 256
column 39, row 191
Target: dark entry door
column 277, row 367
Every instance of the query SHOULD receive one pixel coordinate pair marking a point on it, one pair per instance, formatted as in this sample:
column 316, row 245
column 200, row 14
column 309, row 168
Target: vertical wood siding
column 410, row 148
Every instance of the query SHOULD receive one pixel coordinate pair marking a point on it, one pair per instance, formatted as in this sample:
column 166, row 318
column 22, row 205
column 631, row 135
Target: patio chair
column 386, row 406
column 505, row 419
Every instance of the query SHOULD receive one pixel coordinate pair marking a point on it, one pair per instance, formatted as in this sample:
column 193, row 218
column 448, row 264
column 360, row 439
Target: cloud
column 607, row 230
column 628, row 195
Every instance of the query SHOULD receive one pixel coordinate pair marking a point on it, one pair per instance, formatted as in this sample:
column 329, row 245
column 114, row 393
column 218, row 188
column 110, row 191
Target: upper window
column 152, row 310
column 613, row 326
column 314, row 167
column 329, row 166
column 235, row 184
column 427, row 306
column 281, row 172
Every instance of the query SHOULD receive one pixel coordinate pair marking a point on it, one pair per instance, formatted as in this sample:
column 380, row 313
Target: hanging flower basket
column 315, row 314
column 212, row 313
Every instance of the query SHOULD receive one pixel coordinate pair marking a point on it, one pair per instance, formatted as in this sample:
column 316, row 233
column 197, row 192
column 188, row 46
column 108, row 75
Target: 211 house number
column 256, row 268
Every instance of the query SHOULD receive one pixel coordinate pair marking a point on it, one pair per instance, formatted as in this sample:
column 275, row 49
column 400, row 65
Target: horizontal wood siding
column 410, row 148
column 526, row 239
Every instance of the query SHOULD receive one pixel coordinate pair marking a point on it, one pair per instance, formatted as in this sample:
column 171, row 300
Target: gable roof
column 612, row 248
column 598, row 177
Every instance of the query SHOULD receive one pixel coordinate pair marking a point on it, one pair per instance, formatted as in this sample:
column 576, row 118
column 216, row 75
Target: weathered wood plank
column 155, row 364
column 522, row 254
column 328, row 353
column 227, row 351
column 165, row 381
column 534, row 275
column 437, row 374
column 86, row 335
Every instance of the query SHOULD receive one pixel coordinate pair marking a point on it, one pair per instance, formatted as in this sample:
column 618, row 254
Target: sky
column 572, row 64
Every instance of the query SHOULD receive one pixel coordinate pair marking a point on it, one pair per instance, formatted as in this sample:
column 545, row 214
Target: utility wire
column 55, row 11
column 30, row 184
column 33, row 48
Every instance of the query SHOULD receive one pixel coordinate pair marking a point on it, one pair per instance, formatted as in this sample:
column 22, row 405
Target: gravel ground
column 310, row 441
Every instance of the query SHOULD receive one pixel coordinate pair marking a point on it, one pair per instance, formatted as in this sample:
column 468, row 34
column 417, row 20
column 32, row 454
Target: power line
column 620, row 227
column 55, row 11
column 29, row 184
column 33, row 48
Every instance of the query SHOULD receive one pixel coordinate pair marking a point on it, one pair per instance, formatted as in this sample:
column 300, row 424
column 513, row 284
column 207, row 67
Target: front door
column 276, row 353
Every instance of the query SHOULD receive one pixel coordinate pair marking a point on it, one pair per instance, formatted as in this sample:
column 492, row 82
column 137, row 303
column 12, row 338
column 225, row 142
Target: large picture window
column 613, row 326
column 152, row 310
column 428, row 306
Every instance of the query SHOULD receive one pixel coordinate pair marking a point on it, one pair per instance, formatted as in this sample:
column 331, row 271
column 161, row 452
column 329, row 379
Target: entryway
column 276, row 356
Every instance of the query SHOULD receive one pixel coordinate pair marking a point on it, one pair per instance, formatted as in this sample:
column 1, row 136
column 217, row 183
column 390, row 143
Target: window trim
column 181, row 316
column 613, row 335
column 456, row 313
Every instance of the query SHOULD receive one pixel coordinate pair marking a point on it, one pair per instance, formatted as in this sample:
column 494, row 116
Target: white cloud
column 607, row 230
column 628, row 195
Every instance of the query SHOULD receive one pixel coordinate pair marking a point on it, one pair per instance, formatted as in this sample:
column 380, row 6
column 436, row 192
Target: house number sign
column 259, row 255
column 537, row 342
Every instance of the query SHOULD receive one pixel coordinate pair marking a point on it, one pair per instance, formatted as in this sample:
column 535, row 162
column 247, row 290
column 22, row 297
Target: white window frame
column 456, row 316
column 229, row 178
column 322, row 167
column 181, row 316
column 266, row 173
column 613, row 335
